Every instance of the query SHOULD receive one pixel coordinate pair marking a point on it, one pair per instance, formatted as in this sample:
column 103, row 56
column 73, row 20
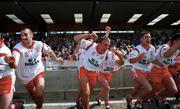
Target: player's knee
column 107, row 88
column 12, row 106
column 87, row 92
column 39, row 91
column 148, row 89
column 174, row 90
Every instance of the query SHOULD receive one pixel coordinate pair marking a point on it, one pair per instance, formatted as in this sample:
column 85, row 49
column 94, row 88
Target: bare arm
column 108, row 31
column 11, row 61
column 121, row 59
column 77, row 49
column 79, row 37
column 138, row 58
column 54, row 57
column 172, row 50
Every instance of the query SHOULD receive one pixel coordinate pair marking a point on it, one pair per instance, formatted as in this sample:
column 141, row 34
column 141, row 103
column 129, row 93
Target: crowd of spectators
column 64, row 45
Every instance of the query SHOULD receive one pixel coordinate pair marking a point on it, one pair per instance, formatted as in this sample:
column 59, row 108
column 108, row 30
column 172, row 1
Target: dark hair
column 175, row 36
column 143, row 33
column 24, row 28
column 112, row 45
column 99, row 40
column 1, row 36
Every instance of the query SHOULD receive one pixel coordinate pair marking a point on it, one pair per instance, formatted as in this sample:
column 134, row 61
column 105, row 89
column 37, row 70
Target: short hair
column 99, row 40
column 26, row 28
column 112, row 45
column 143, row 33
column 175, row 37
column 1, row 36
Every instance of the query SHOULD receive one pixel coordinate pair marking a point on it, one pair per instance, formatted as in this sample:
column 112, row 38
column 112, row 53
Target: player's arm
column 108, row 31
column 120, row 61
column 13, row 60
column 54, row 57
column 171, row 50
column 79, row 37
column 47, row 50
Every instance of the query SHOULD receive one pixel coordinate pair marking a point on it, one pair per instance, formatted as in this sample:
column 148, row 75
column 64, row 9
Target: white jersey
column 29, row 60
column 160, row 56
column 91, row 60
column 5, row 69
column 109, row 67
column 142, row 65
column 79, row 56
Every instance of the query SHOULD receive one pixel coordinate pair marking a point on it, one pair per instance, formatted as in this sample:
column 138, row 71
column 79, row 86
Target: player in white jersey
column 29, row 65
column 105, row 74
column 7, row 76
column 140, row 58
column 93, row 59
column 165, row 56
column 105, row 77
column 175, row 72
column 79, row 54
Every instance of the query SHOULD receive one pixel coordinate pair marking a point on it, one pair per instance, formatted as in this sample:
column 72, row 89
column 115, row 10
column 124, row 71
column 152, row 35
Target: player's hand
column 9, row 59
column 93, row 36
column 142, row 56
column 108, row 29
column 60, row 61
column 118, row 52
